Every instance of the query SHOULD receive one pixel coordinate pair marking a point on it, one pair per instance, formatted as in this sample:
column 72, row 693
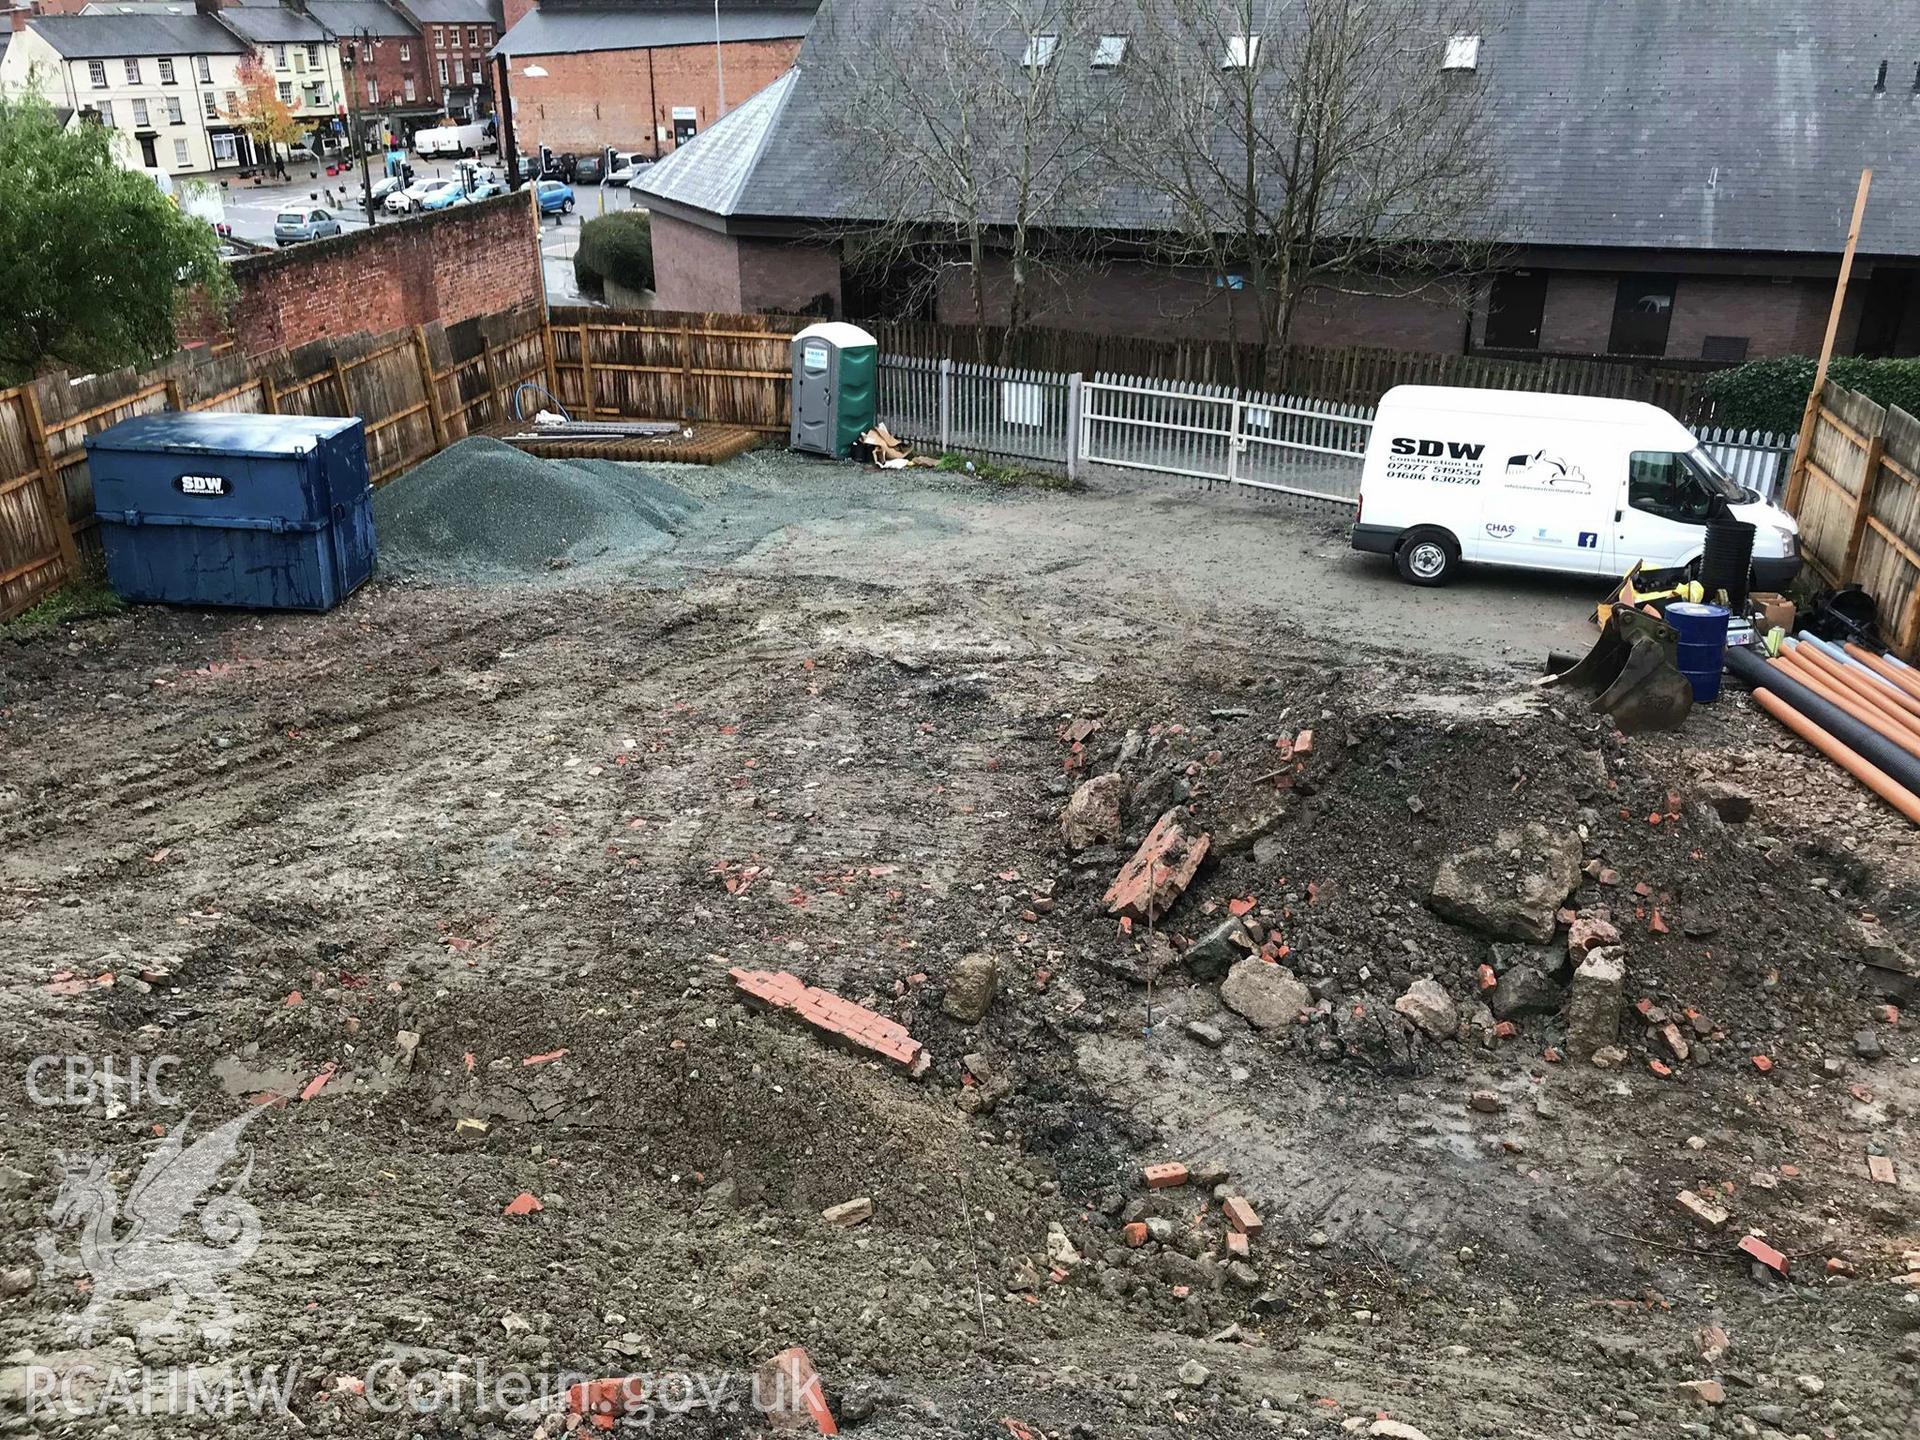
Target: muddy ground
column 479, row 858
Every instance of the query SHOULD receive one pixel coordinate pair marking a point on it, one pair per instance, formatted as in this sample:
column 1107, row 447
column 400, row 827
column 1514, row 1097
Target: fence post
column 53, row 481
column 424, row 354
column 1863, row 511
column 1073, row 427
column 946, row 403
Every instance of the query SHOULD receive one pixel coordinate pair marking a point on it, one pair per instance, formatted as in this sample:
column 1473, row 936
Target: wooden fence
column 417, row 390
column 659, row 363
column 1347, row 375
column 1858, row 503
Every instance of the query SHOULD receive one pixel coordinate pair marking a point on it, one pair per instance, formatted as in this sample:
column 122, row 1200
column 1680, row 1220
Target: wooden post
column 269, row 394
column 586, row 372
column 174, row 401
column 553, row 367
column 52, row 486
column 493, row 380
column 686, row 369
column 340, row 379
column 1863, row 504
column 1797, row 476
column 431, row 386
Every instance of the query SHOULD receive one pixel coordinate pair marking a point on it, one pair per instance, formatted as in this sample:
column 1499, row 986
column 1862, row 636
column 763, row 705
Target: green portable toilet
column 835, row 374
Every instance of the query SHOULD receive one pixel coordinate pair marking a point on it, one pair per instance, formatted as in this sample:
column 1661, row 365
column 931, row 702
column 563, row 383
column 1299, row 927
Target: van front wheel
column 1427, row 557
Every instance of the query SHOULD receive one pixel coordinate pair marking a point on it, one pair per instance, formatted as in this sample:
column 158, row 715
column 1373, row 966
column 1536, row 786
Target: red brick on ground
column 1241, row 1215
column 1759, row 1250
column 1165, row 1175
column 789, row 1390
column 1159, row 872
column 1880, row 1170
column 826, row 1011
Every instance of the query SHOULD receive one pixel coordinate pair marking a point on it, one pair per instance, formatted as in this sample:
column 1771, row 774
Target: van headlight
column 1789, row 542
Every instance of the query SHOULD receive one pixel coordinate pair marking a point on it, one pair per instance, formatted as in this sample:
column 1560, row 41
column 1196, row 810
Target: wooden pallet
column 698, row 443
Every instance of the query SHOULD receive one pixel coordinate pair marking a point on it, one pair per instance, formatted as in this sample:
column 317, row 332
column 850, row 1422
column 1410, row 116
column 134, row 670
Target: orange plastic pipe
column 1818, row 681
column 1863, row 770
column 1867, row 688
column 1888, row 697
column 1905, row 679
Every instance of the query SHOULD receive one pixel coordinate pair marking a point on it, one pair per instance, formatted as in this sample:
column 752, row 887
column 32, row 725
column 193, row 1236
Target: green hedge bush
column 615, row 247
column 1772, row 394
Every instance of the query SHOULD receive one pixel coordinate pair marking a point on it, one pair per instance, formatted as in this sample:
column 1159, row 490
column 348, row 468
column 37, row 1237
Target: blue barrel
column 1701, row 631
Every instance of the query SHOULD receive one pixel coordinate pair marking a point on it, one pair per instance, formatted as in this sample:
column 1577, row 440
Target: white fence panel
column 1758, row 459
column 909, row 398
column 1163, row 426
column 1312, row 448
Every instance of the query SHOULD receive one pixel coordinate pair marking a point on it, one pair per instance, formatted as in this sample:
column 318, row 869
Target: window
column 286, row 92
column 486, row 34
column 139, row 114
column 300, row 62
column 407, row 88
column 133, row 72
column 166, row 72
column 373, row 92
column 105, row 109
column 1516, row 306
column 279, row 57
column 313, row 55
column 1463, row 53
column 202, row 69
column 439, row 37
column 180, row 155
column 1109, row 51
column 1040, row 50
column 97, row 74
column 1642, row 313
column 473, row 37
column 1728, row 349
column 1688, row 488
column 406, row 50
column 175, row 116
column 1243, row 52
column 366, row 51
column 459, row 72
column 226, row 150
column 443, row 73
column 212, row 110
column 232, row 102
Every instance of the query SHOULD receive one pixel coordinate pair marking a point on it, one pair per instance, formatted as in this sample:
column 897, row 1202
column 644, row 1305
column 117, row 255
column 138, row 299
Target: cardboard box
column 1776, row 610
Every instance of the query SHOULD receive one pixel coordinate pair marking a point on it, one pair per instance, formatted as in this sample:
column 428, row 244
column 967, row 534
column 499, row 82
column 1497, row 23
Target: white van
column 1548, row 482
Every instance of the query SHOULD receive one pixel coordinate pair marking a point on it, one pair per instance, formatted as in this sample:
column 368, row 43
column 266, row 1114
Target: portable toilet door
column 835, row 374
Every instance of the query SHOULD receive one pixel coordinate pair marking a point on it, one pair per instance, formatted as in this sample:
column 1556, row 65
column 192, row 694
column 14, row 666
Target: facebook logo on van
column 1589, row 540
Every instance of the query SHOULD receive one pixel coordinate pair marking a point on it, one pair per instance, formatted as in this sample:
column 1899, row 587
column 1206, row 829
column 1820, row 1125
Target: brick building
column 458, row 34
column 385, row 61
column 643, row 75
column 1672, row 182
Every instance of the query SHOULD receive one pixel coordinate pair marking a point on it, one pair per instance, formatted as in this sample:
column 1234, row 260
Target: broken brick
column 525, row 1203
column 1159, row 872
column 603, row 1402
column 1762, row 1063
column 1303, row 743
column 1506, row 1030
column 1712, row 1217
column 1165, row 1175
column 825, row 1011
column 1707, row 1392
column 1134, row 1233
column 1757, row 1249
column 1240, row 1215
column 1238, row 1245
column 788, row 1391
column 1485, row 1101
column 1660, row 1068
column 1838, row 1267
column 1880, row 1170
column 1487, row 978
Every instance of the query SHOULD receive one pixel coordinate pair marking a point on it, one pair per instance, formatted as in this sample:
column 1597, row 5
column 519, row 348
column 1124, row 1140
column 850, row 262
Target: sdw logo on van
column 1437, row 449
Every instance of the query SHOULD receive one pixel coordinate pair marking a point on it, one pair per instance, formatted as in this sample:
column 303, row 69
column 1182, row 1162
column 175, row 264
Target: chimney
column 207, row 7
column 514, row 11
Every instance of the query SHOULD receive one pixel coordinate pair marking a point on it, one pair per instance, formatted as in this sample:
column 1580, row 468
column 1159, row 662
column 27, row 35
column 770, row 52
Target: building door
column 1890, row 319
column 1516, row 306
column 1642, row 315
column 686, row 124
column 147, row 157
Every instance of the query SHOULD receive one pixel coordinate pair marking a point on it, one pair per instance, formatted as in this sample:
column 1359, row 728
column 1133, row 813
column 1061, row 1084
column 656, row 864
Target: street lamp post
column 719, row 63
column 354, row 136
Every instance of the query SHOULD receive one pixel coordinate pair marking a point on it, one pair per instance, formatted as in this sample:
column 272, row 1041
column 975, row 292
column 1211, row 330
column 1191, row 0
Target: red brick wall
column 391, row 73
column 618, row 98
column 1777, row 317
column 695, row 268
column 449, row 266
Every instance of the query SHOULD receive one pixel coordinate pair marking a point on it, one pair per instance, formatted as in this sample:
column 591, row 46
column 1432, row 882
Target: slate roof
column 710, row 172
column 1729, row 125
column 457, row 12
column 106, row 37
column 348, row 18
column 273, row 25
column 552, row 30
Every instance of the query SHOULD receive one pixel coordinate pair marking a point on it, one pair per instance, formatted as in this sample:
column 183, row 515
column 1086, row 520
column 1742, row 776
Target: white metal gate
column 1286, row 445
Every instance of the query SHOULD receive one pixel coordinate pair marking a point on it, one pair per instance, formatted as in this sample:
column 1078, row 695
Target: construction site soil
column 440, row 893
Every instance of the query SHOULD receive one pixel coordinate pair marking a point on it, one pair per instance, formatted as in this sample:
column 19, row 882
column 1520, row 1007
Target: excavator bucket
column 1632, row 674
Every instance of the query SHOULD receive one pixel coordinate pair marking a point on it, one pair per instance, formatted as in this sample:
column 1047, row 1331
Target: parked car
column 307, row 222
column 414, row 197
column 386, row 187
column 299, row 153
column 444, row 197
column 625, row 166
column 484, row 187
column 589, row 170
column 556, row 198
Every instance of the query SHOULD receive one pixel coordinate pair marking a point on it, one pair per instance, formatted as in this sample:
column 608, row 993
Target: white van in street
column 1548, row 482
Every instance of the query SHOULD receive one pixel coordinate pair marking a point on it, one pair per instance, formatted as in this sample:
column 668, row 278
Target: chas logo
column 201, row 484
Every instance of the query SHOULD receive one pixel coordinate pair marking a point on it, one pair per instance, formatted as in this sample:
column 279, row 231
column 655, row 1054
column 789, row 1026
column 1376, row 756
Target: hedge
column 615, row 247
column 1772, row 394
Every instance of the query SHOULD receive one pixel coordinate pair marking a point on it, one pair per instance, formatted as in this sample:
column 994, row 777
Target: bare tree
column 970, row 140
column 1296, row 145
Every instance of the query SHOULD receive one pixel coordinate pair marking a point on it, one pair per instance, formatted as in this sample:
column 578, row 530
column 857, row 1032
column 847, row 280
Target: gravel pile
column 482, row 510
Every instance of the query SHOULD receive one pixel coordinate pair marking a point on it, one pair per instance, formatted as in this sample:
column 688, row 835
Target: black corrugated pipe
column 1750, row 668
